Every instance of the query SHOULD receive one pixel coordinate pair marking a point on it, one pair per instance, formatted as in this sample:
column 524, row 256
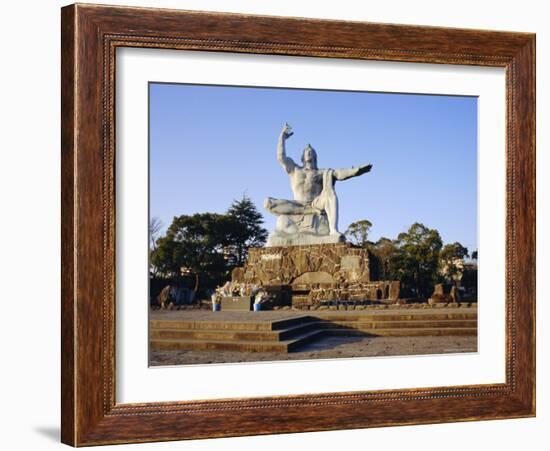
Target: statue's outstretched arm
column 343, row 174
column 287, row 162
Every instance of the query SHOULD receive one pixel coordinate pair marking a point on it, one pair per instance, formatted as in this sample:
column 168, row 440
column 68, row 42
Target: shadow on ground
column 53, row 433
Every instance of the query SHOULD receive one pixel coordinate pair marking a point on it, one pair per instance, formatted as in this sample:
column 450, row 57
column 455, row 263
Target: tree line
column 204, row 247
column 417, row 257
column 200, row 250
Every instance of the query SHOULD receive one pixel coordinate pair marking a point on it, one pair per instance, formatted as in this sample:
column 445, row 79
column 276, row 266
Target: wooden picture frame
column 90, row 36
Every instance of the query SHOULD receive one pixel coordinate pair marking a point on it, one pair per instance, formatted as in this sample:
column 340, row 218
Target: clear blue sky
column 211, row 144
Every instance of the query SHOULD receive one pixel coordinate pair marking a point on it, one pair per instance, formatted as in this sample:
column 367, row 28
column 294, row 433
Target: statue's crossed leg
column 287, row 207
column 326, row 203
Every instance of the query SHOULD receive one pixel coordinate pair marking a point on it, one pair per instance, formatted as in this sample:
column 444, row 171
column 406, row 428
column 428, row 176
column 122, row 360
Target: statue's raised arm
column 287, row 162
column 343, row 174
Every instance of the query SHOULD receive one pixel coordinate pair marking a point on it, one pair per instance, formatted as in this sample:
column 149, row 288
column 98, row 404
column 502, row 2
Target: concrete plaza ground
column 326, row 348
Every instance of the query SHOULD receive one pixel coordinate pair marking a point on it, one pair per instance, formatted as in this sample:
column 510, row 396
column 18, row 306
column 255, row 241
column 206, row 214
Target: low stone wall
column 372, row 291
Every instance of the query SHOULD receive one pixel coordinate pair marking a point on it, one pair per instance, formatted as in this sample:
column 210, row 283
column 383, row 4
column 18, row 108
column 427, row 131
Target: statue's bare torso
column 306, row 184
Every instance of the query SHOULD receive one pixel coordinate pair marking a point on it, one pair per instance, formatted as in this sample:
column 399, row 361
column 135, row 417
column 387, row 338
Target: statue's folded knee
column 268, row 203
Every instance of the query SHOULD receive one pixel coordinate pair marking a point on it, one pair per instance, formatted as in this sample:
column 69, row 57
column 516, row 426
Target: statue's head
column 309, row 157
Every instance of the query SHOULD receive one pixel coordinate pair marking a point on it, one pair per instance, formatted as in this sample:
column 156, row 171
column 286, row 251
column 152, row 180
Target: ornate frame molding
column 90, row 36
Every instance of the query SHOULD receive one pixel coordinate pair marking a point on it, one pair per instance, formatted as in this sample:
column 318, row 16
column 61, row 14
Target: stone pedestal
column 236, row 303
column 315, row 273
column 300, row 230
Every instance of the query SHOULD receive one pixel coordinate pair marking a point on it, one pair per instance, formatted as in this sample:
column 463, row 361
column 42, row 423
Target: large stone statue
column 312, row 217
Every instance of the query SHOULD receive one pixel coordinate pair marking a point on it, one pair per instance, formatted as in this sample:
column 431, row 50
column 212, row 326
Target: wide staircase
column 287, row 335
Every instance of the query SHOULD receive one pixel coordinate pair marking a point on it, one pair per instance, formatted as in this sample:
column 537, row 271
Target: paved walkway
column 271, row 315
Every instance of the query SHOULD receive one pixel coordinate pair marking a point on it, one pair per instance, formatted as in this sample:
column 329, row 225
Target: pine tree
column 249, row 232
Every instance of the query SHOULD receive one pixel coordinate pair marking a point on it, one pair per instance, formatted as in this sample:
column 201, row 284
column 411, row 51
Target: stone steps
column 284, row 346
column 287, row 335
column 414, row 324
column 239, row 335
column 406, row 332
column 230, row 325
column 392, row 316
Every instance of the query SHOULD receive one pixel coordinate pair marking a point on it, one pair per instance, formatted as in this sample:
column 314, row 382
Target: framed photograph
column 278, row 225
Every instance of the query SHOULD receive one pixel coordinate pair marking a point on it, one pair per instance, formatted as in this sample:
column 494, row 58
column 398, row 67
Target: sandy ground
column 327, row 348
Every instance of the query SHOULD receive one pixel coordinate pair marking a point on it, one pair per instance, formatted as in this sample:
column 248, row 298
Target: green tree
column 195, row 244
column 358, row 232
column 155, row 226
column 451, row 260
column 248, row 231
column 416, row 259
column 384, row 249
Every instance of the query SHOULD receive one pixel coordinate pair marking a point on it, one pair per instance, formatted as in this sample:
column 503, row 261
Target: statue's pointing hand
column 287, row 131
column 364, row 169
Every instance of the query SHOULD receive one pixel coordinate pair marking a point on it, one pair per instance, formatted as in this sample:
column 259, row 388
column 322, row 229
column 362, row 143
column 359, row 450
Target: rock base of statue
column 309, row 275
